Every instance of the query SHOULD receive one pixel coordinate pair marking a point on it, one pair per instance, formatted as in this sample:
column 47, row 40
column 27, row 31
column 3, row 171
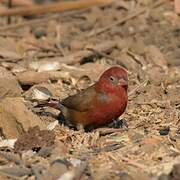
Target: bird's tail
column 64, row 116
column 52, row 103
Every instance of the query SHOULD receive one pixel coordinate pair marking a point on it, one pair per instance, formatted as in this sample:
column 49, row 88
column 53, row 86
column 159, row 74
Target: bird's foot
column 119, row 123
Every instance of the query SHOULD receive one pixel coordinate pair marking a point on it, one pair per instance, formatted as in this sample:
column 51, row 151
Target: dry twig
column 137, row 87
column 105, row 131
column 53, row 7
column 129, row 161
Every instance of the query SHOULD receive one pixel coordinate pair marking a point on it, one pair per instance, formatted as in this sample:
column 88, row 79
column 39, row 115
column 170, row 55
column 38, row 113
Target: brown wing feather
column 81, row 101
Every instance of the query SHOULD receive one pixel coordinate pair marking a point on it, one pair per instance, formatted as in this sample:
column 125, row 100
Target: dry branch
column 53, row 7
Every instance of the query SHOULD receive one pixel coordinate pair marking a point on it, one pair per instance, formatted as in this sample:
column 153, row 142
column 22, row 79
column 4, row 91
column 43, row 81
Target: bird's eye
column 112, row 78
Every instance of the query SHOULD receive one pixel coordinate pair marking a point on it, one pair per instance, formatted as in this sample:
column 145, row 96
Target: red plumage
column 99, row 104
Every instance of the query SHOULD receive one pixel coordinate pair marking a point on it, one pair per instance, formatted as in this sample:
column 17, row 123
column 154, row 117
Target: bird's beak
column 122, row 82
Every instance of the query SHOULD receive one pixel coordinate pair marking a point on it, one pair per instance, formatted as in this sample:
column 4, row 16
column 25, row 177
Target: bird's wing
column 81, row 101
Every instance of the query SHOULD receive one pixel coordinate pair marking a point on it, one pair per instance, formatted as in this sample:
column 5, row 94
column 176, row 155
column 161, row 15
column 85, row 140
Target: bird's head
column 113, row 79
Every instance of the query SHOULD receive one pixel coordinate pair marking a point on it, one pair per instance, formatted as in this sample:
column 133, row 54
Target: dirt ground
column 57, row 55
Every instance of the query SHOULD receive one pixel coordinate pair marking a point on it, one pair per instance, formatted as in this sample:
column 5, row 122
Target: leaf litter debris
column 54, row 56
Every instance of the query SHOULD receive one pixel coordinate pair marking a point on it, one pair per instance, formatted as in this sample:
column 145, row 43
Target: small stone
column 15, row 118
column 58, row 168
column 164, row 131
column 86, row 26
column 39, row 32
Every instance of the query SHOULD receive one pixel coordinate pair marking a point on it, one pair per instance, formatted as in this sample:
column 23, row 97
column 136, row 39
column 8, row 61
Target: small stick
column 137, row 87
column 130, row 162
column 58, row 40
column 13, row 60
column 9, row 6
column 105, row 131
column 175, row 149
column 134, row 163
column 42, row 47
column 151, row 102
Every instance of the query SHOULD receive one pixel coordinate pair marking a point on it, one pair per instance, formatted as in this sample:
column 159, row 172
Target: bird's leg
column 123, row 123
column 119, row 123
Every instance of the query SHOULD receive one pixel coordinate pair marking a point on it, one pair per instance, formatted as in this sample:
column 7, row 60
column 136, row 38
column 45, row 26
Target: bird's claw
column 119, row 123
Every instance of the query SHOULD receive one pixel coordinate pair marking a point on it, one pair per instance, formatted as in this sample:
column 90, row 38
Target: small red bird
column 99, row 104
